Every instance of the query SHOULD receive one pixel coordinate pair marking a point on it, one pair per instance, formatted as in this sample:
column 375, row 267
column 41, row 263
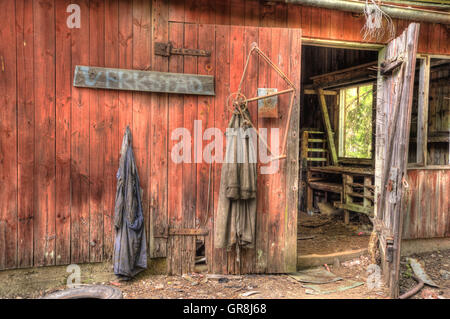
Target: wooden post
column 347, row 180
column 326, row 121
column 310, row 194
column 366, row 200
column 422, row 111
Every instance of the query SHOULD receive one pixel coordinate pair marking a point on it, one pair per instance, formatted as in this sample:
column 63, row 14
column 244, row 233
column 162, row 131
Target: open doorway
column 336, row 150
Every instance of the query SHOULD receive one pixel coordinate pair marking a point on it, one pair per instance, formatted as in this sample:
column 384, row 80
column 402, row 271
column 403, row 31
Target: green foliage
column 358, row 121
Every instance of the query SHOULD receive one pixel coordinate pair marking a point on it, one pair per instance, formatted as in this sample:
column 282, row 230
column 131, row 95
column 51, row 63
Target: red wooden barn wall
column 428, row 213
column 59, row 144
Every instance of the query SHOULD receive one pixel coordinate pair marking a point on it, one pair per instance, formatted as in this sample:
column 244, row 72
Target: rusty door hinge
column 167, row 49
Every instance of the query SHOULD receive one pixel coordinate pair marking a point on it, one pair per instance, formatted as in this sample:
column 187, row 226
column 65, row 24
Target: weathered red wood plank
column 191, row 11
column 306, row 21
column 264, row 43
column 445, row 203
column 267, row 18
column 205, row 177
column 434, row 38
column 236, row 69
column 159, row 134
column 223, row 12
column 142, row 53
column 111, row 115
column 252, row 13
column 250, row 85
column 325, row 23
column 280, row 15
column 427, row 215
column 424, row 38
column 189, row 169
column 44, row 88
column 206, row 12
column 292, row 155
column 315, row 22
column 175, row 170
column 63, row 110
column 276, row 234
column 8, row 141
column 176, row 12
column 237, row 12
column 79, row 173
column 25, row 131
column 294, row 18
column 125, row 62
column 336, row 23
column 221, row 118
column 97, row 127
column 444, row 40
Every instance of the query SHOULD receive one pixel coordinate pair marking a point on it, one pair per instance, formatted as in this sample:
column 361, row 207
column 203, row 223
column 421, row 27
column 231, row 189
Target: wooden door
column 394, row 100
column 192, row 187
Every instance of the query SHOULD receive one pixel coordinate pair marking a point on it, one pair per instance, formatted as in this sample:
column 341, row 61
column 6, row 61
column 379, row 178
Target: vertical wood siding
column 428, row 212
column 59, row 145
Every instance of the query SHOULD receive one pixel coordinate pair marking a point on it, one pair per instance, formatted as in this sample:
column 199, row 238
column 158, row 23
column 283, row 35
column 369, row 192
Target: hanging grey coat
column 236, row 214
column 130, row 252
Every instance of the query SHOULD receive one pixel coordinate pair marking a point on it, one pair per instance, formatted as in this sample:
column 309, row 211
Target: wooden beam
column 355, row 208
column 146, row 81
column 399, row 12
column 326, row 121
column 188, row 232
column 326, row 92
column 422, row 111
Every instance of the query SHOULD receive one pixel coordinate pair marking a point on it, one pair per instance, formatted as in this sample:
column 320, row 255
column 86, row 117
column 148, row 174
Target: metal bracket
column 167, row 49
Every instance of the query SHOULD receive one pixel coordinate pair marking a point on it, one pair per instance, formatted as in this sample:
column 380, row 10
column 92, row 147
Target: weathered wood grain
column 205, row 114
column 189, row 186
column 44, row 89
column 221, row 118
column 175, row 171
column 143, row 81
column 8, row 140
column 159, row 136
column 63, row 113
column 262, row 225
column 97, row 135
column 111, row 117
column 25, row 132
column 142, row 102
column 393, row 123
column 292, row 156
column 79, row 172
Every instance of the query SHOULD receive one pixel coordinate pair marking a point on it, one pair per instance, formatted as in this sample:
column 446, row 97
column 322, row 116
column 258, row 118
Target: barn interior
column 438, row 128
column 337, row 143
column 337, row 178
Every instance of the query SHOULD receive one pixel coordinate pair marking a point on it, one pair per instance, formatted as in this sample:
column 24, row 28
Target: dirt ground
column 196, row 285
column 321, row 234
column 436, row 265
column 200, row 285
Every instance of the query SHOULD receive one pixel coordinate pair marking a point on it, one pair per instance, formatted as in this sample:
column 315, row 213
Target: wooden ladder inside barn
column 314, row 153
